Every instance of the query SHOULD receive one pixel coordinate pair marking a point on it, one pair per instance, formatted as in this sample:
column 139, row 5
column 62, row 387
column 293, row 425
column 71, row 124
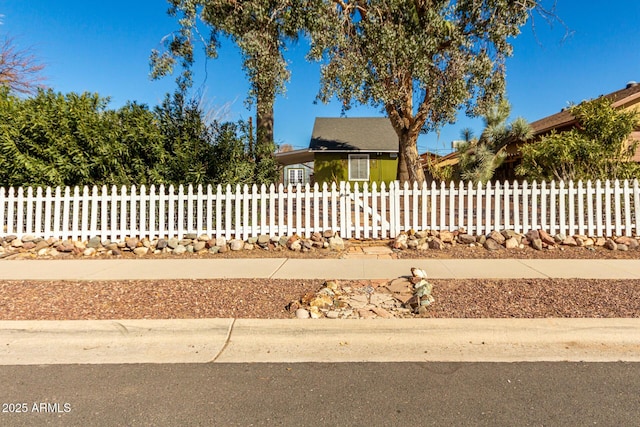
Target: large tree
column 260, row 28
column 421, row 61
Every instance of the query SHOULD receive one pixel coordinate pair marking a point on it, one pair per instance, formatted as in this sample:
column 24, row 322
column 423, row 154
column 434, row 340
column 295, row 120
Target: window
column 358, row 167
column 296, row 176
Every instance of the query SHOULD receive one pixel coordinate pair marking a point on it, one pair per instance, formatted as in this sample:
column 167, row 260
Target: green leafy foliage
column 54, row 139
column 599, row 147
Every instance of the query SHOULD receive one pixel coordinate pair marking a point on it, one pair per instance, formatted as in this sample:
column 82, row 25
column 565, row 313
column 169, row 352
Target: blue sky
column 104, row 47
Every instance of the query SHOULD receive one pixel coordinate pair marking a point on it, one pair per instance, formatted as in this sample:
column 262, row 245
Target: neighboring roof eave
column 287, row 158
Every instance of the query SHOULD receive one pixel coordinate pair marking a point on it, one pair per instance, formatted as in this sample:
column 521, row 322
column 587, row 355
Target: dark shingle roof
column 353, row 134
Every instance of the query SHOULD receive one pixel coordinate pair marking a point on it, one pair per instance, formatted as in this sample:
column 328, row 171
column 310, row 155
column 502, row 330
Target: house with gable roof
column 359, row 149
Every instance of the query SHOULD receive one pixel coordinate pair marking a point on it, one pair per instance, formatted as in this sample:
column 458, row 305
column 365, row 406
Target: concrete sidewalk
column 289, row 268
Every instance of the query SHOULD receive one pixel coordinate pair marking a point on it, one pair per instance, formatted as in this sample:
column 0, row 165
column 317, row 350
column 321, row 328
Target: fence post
column 626, row 193
column 367, row 214
column 238, row 212
column 162, row 225
column 29, row 211
column 307, row 210
column 325, row 208
column 263, row 209
column 553, row 206
column 515, row 191
column 84, row 214
column 463, row 215
column 504, row 212
column 433, row 206
column 20, row 212
column 590, row 200
column 10, row 211
column 581, row 229
column 281, row 203
column 443, row 206
column 356, row 209
column 316, row 209
column 171, row 212
column 618, row 217
column 246, row 199
column 526, row 226
column 272, row 211
column 636, row 204
column 498, row 223
column 209, row 212
column 375, row 217
column 47, row 213
column 452, row 206
column 607, row 207
column 218, row 212
column 199, row 209
column 37, row 226
column 384, row 229
column 298, row 208
column 487, row 210
column 599, row 218
column 152, row 229
column 142, row 227
column 179, row 214
column 190, row 214
column 133, row 217
column 393, row 210
column 466, row 218
column 424, row 205
column 66, row 200
column 415, row 196
column 479, row 193
column 571, row 202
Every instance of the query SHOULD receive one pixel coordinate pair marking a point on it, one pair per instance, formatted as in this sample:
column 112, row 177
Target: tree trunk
column 264, row 123
column 409, row 166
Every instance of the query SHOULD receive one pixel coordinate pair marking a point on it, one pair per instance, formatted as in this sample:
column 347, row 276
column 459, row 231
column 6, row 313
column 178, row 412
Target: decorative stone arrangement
column 400, row 298
column 509, row 239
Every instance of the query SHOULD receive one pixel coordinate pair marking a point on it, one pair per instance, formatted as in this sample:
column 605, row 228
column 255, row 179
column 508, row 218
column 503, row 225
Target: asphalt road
column 340, row 394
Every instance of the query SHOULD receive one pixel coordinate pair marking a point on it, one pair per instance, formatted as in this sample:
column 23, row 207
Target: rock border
column 508, row 239
column 29, row 246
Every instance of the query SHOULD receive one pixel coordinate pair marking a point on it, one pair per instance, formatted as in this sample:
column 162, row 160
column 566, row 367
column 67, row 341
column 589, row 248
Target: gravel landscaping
column 272, row 299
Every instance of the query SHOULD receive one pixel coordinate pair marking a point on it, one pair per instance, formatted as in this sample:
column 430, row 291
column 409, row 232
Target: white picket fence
column 358, row 211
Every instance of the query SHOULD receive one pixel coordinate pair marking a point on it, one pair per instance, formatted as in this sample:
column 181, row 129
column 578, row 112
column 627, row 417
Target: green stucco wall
column 330, row 167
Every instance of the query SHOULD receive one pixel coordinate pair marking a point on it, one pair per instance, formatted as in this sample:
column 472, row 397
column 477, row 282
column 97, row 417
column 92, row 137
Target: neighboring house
column 354, row 149
column 297, row 166
column 626, row 98
column 298, row 173
column 348, row 149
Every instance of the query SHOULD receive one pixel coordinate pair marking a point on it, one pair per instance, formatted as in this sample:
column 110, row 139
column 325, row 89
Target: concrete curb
column 291, row 341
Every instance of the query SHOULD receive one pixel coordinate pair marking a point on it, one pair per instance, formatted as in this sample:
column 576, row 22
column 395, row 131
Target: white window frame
column 299, row 172
column 353, row 158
